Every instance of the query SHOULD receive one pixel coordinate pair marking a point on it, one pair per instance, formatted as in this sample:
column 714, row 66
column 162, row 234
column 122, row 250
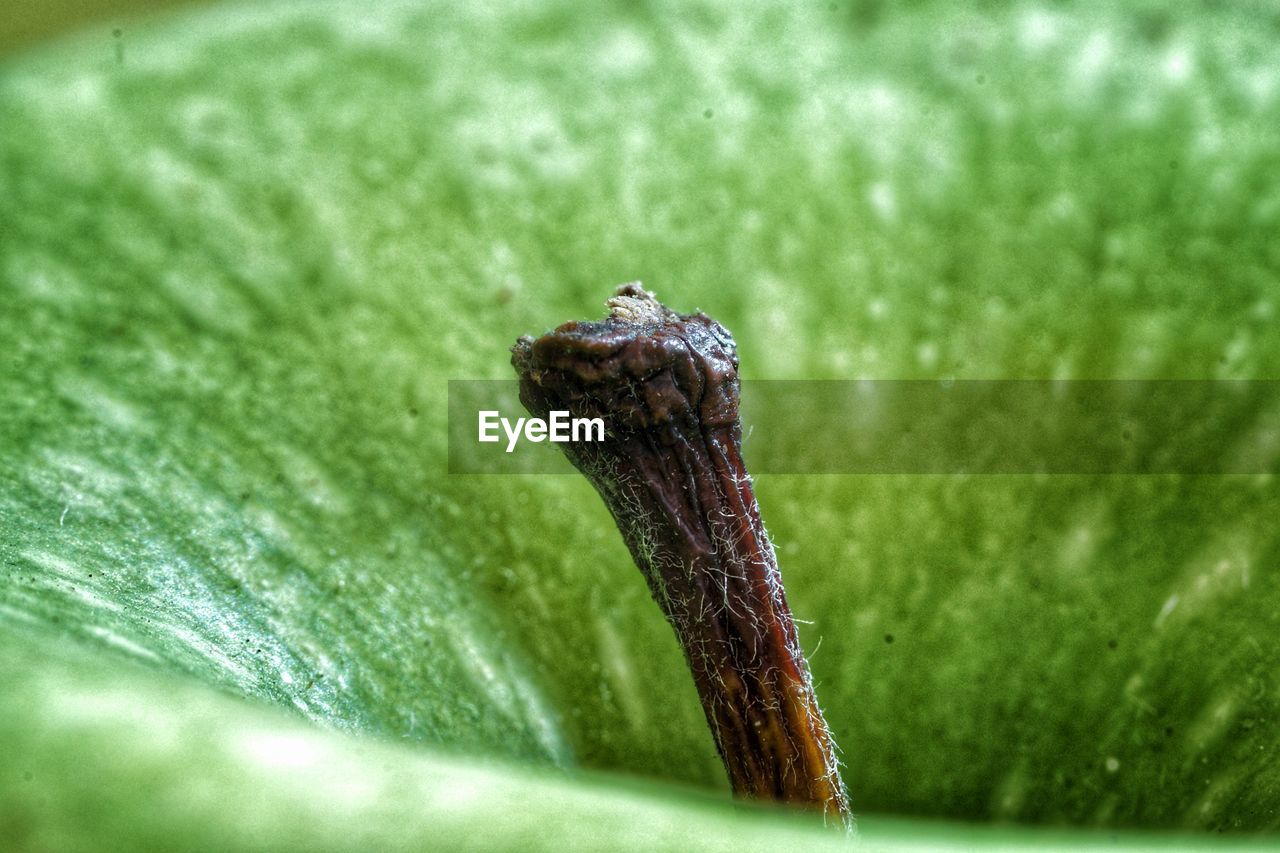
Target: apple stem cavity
column 670, row 470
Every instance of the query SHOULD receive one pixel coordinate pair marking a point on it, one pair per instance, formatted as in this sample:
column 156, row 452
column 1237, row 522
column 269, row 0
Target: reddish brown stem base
column 671, row 472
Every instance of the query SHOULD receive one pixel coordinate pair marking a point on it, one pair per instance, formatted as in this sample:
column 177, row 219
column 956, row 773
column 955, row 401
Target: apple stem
column 670, row 470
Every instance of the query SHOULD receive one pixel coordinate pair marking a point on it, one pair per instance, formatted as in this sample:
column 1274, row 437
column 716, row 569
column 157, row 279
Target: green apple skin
column 240, row 259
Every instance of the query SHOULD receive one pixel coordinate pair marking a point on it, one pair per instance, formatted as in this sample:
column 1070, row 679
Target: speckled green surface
column 240, row 259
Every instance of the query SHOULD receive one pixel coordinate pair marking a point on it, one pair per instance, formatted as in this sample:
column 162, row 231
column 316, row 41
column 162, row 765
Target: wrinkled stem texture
column 670, row 470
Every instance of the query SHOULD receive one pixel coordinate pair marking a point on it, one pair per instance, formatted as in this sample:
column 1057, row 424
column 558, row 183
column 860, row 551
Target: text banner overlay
column 937, row 427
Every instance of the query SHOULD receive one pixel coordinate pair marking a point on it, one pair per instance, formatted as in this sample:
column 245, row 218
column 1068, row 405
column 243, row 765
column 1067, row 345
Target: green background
column 242, row 250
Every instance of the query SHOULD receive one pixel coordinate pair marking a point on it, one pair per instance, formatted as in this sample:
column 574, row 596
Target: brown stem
column 670, row 470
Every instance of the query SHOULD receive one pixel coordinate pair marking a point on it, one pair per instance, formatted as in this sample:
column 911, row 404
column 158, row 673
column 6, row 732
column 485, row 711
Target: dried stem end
column 670, row 470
